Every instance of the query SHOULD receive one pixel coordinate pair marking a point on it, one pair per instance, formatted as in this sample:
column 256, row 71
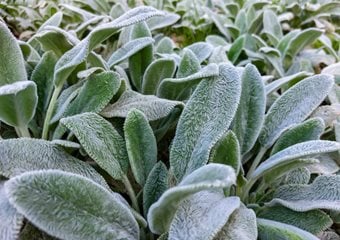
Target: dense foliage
column 170, row 120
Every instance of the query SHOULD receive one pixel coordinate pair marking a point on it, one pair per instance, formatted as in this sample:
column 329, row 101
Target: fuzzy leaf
column 277, row 84
column 129, row 49
column 202, row 215
column 86, row 212
column 188, row 65
column 12, row 65
column 11, row 220
column 153, row 107
column 162, row 21
column 294, row 106
column 296, row 151
column 313, row 221
column 271, row 26
column 236, row 49
column 141, row 145
column 165, row 45
column 156, row 184
column 101, row 142
column 250, row 112
column 209, row 177
column 42, row 75
column 227, row 151
column 269, row 230
column 78, row 54
column 205, row 119
column 18, row 101
column 176, row 88
column 24, row 155
column 309, row 130
column 301, row 40
column 323, row 193
column 241, row 226
column 95, row 94
column 139, row 61
column 202, row 50
column 157, row 71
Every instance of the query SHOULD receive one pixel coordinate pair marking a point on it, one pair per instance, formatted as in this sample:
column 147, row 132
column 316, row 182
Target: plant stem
column 131, row 193
column 49, row 112
column 22, row 132
column 256, row 161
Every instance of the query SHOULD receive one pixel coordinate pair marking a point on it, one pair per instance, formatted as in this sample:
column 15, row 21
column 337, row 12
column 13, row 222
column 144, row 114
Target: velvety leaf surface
column 12, row 66
column 309, row 130
column 24, row 155
column 202, row 50
column 188, row 65
column 139, row 61
column 11, row 220
column 269, row 230
column 294, row 152
column 241, row 226
column 129, row 49
column 209, row 177
column 87, row 212
column 162, row 21
column 18, row 101
column 294, row 106
column 71, row 59
column 95, row 94
column 157, row 71
column 176, row 88
column 153, row 107
column 250, row 112
column 141, row 145
column 42, row 75
column 205, row 119
column 227, row 151
column 313, row 221
column 323, row 193
column 156, row 184
column 101, row 142
column 202, row 215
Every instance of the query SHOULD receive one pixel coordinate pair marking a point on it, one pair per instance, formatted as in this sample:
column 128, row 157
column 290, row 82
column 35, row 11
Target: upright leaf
column 101, row 142
column 18, row 101
column 227, row 151
column 202, row 215
column 157, row 71
column 188, row 65
column 272, row 26
column 205, row 119
column 95, row 94
column 139, row 61
column 177, row 88
column 156, row 184
column 323, row 193
column 250, row 112
column 141, row 145
column 153, row 107
column 294, row 106
column 71, row 59
column 269, row 230
column 209, row 177
column 202, row 50
column 88, row 211
column 12, row 66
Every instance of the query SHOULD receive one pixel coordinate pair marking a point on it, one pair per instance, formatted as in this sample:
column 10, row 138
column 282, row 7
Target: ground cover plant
column 117, row 122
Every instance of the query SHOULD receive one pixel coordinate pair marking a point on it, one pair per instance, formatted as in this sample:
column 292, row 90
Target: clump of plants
column 110, row 131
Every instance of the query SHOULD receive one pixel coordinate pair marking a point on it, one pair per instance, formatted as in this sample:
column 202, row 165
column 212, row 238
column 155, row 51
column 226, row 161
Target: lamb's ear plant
column 109, row 131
